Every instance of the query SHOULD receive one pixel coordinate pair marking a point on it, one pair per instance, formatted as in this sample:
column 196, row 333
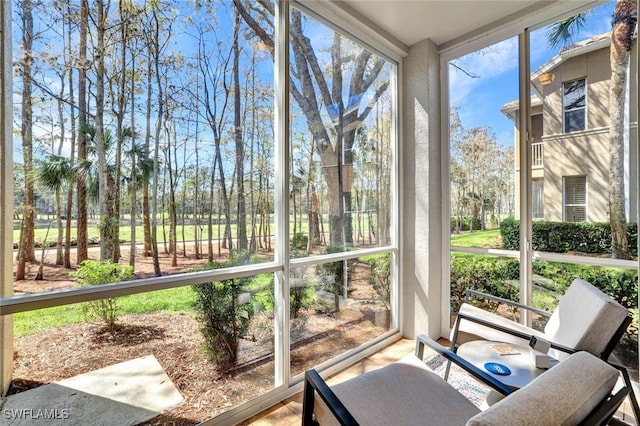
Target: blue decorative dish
column 499, row 369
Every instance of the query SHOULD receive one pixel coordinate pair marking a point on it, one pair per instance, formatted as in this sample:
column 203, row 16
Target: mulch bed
column 176, row 341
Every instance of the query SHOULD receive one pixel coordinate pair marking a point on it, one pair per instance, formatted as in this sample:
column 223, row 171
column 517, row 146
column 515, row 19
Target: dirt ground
column 175, row 340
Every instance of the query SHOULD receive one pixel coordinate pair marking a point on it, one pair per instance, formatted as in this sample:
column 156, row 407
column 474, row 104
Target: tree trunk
column 26, row 251
column 146, row 207
column 624, row 23
column 69, row 211
column 82, row 219
column 242, row 213
column 107, row 222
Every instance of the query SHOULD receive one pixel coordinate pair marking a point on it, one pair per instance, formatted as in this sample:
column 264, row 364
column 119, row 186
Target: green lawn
column 483, row 239
column 171, row 301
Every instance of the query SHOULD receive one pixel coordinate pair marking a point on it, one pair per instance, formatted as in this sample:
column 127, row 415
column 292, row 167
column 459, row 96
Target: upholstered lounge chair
column 586, row 319
column 579, row 390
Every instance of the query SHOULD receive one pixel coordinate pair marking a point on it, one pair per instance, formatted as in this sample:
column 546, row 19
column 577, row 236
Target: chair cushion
column 585, row 318
column 564, row 395
column 406, row 392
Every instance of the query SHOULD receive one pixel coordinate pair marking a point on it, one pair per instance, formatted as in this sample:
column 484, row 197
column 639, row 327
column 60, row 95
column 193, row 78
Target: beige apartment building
column 570, row 135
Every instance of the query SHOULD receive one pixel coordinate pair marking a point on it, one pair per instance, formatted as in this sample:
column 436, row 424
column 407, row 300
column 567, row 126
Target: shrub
column 223, row 310
column 562, row 237
column 299, row 241
column 332, row 275
column 380, row 278
column 92, row 273
column 486, row 274
column 299, row 298
column 620, row 284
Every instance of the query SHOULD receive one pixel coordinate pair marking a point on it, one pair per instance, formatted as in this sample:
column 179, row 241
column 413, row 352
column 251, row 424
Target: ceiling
column 411, row 21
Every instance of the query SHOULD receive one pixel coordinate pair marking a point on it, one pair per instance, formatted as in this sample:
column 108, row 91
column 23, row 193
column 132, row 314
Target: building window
column 537, row 198
column 575, row 198
column 574, row 105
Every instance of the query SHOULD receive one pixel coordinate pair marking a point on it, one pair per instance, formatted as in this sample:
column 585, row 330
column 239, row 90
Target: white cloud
column 487, row 63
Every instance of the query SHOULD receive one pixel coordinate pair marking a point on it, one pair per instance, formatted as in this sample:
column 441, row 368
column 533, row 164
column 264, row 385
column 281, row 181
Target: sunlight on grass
column 485, row 239
column 172, row 300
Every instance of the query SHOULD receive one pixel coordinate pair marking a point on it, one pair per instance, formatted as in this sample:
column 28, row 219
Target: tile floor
column 289, row 411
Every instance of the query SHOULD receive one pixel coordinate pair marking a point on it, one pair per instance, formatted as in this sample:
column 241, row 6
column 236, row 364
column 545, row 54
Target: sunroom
column 243, row 190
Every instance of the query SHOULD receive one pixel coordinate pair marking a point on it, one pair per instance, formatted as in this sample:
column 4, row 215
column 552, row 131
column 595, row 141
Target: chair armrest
column 477, row 373
column 477, row 293
column 313, row 384
column 507, row 330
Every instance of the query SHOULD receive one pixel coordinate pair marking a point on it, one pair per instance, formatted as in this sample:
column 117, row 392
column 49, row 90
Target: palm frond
column 561, row 34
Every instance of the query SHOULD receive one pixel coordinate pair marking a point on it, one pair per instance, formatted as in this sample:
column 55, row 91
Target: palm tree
column 624, row 20
column 54, row 173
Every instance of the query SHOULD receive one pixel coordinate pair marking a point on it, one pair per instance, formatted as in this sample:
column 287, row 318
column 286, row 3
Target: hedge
column 562, row 237
column 486, row 274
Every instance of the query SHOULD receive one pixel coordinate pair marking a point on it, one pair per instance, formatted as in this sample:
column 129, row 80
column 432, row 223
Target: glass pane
column 574, row 120
column 574, row 95
column 220, row 338
column 583, row 170
column 186, row 173
column 483, row 92
column 341, row 144
column 338, row 306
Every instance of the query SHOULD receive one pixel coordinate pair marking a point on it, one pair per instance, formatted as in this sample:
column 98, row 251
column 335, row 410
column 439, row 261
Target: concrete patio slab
column 121, row 394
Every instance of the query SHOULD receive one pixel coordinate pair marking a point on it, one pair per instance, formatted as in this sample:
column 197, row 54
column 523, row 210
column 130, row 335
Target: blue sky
column 480, row 99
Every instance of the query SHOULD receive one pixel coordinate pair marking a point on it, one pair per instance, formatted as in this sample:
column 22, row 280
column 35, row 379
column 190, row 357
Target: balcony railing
column 537, row 155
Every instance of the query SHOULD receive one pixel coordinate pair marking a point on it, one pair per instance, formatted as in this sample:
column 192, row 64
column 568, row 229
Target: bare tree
column 26, row 251
column 313, row 87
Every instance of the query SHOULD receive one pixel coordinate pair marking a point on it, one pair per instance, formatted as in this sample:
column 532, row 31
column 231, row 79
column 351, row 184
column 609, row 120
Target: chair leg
column 632, row 395
column 453, row 347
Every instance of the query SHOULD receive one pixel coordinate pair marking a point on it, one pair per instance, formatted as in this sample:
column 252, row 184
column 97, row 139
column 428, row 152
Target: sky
column 480, row 99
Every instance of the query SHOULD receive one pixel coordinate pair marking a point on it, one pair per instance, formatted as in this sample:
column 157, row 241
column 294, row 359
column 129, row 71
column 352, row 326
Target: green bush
column 380, row 278
column 332, row 275
column 299, row 241
column 620, row 284
column 92, row 273
column 223, row 311
column 562, row 237
column 486, row 274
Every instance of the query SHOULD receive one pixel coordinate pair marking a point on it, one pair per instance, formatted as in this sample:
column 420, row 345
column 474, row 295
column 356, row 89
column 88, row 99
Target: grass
column 482, row 239
column 170, row 301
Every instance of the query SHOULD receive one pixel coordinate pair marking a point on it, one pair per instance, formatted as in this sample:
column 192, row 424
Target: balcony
column 537, row 155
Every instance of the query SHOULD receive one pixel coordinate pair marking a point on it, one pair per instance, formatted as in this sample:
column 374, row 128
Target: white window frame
column 534, row 202
column 461, row 47
column 284, row 384
column 564, row 198
column 566, row 110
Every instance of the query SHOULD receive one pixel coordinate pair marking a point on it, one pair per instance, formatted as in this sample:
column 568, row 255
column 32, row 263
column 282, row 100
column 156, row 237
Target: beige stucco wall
column 573, row 155
column 586, row 153
column 421, row 257
column 594, row 66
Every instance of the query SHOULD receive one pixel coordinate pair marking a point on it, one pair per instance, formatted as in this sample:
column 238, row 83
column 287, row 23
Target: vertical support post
column 6, row 196
column 525, row 174
column 281, row 95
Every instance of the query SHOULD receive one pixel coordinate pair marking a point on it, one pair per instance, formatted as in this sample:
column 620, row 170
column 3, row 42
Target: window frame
column 582, row 109
column 566, row 204
column 282, row 263
column 537, row 203
column 461, row 47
